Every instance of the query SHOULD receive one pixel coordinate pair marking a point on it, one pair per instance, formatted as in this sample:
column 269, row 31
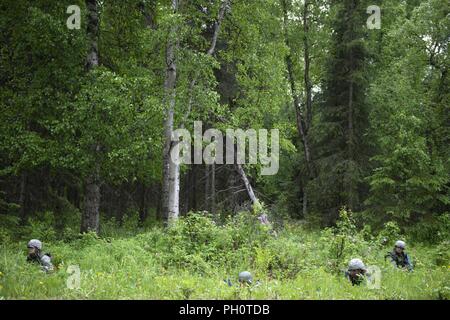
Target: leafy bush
column 345, row 241
column 286, row 257
column 442, row 254
column 41, row 227
column 432, row 230
column 197, row 240
column 389, row 234
column 9, row 225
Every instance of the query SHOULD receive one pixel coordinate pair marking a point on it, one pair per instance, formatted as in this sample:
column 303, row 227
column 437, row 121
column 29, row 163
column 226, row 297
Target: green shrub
column 9, row 227
column 41, row 226
column 442, row 254
column 389, row 234
column 433, row 230
column 345, row 242
column 285, row 258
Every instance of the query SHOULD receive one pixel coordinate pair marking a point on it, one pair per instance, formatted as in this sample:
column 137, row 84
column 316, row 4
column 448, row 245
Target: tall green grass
column 192, row 259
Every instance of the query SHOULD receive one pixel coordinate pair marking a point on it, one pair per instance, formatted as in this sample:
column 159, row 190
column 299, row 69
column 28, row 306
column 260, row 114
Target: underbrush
column 192, row 259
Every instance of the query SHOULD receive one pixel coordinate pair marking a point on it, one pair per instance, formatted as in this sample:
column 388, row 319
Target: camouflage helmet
column 400, row 244
column 356, row 264
column 34, row 243
column 245, row 277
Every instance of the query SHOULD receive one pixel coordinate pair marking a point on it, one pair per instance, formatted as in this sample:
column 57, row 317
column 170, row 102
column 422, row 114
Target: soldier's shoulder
column 46, row 258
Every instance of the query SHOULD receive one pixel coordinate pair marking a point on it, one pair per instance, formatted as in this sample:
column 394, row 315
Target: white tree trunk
column 213, row 188
column 171, row 183
column 174, row 192
column 171, row 170
column 247, row 184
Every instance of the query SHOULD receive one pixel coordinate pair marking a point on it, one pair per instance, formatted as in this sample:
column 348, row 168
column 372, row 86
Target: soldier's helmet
column 356, row 264
column 400, row 244
column 245, row 277
column 34, row 243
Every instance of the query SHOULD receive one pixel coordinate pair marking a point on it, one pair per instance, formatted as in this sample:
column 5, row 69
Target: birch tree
column 171, row 169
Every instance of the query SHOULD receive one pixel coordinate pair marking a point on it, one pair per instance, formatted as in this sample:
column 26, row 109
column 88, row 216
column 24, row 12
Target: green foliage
column 433, row 229
column 191, row 260
column 389, row 234
column 9, row 227
column 378, row 138
column 411, row 165
column 41, row 227
column 339, row 142
column 442, row 254
column 198, row 242
column 347, row 242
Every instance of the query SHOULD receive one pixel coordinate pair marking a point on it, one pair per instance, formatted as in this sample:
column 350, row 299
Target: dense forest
column 92, row 93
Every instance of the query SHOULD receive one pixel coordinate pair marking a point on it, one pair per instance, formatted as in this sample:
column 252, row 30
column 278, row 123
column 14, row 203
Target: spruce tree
column 340, row 149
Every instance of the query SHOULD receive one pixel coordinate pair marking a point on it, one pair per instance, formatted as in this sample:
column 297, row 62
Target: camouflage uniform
column 357, row 278
column 401, row 260
column 245, row 277
column 43, row 259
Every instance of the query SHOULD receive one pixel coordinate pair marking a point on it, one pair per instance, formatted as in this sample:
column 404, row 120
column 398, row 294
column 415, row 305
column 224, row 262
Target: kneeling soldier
column 399, row 258
column 356, row 271
column 34, row 255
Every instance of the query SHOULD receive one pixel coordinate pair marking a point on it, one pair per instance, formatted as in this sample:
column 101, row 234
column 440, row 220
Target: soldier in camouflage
column 34, row 255
column 245, row 278
column 399, row 258
column 356, row 272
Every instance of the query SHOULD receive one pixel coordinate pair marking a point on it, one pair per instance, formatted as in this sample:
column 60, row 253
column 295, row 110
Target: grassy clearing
column 191, row 260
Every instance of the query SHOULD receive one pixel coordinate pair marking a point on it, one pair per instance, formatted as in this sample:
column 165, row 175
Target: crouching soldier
column 34, row 255
column 245, row 279
column 399, row 258
column 356, row 272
